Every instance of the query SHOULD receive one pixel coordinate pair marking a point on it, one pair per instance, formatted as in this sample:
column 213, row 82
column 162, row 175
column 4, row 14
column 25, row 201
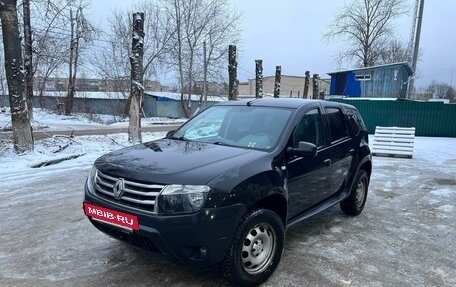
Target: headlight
column 175, row 199
column 91, row 179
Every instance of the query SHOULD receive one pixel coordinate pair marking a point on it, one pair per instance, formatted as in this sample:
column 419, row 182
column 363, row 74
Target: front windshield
column 239, row 126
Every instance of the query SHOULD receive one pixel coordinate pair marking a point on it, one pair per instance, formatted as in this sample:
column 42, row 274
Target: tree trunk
column 278, row 75
column 306, row 85
column 74, row 59
column 258, row 78
column 28, row 67
column 232, row 73
column 137, row 89
column 315, row 87
column 22, row 130
column 71, row 85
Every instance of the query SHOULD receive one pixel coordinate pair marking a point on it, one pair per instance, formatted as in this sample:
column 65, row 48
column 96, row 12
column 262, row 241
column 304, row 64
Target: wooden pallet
column 393, row 142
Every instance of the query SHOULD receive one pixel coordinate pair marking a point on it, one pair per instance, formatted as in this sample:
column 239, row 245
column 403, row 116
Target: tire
column 255, row 250
column 354, row 204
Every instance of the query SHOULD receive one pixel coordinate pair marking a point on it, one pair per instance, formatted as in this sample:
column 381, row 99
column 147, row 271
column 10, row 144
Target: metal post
column 416, row 46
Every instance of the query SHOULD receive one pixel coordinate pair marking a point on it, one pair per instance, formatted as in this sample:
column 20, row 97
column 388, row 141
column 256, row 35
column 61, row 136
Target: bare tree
column 196, row 22
column 80, row 30
column 394, row 51
column 112, row 62
column 50, row 36
column 439, row 90
column 22, row 130
column 365, row 26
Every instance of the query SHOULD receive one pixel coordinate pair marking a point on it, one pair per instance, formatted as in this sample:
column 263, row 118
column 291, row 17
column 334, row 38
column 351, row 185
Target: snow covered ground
column 406, row 236
column 47, row 120
column 87, row 148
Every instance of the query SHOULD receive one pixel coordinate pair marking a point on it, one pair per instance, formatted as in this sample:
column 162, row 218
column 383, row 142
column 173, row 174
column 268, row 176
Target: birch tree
column 28, row 55
column 137, row 88
column 365, row 26
column 20, row 121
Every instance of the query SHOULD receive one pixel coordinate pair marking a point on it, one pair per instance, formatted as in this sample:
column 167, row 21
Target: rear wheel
column 256, row 248
column 354, row 203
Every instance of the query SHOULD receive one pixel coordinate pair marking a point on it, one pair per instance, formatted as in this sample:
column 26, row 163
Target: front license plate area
column 112, row 217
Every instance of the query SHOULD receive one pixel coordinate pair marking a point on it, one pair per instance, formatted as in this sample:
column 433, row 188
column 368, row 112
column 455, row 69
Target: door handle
column 327, row 162
column 351, row 152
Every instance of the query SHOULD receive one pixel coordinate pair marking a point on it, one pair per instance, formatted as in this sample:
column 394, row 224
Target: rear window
column 355, row 120
column 336, row 121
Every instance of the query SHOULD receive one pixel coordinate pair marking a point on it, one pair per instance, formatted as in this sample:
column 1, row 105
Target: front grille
column 136, row 194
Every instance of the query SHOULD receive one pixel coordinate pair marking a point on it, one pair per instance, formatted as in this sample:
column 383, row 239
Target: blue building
column 386, row 81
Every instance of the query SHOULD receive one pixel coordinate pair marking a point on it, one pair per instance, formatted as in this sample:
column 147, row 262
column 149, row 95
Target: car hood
column 170, row 161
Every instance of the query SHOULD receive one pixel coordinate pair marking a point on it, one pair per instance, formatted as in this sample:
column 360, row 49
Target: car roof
column 272, row 102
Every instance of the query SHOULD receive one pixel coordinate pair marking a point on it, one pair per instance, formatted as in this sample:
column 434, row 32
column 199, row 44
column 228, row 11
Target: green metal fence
column 429, row 118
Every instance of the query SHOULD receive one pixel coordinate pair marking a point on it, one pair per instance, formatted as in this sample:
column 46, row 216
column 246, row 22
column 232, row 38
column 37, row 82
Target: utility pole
column 416, row 45
column 205, row 75
column 258, row 78
column 277, row 81
column 232, row 74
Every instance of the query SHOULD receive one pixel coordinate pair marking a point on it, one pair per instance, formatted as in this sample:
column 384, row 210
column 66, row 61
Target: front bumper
column 203, row 237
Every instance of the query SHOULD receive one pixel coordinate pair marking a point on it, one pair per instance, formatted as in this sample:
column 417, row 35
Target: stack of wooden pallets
column 393, row 141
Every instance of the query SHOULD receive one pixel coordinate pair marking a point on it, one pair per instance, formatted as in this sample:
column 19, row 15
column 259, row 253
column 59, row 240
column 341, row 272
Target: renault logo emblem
column 119, row 188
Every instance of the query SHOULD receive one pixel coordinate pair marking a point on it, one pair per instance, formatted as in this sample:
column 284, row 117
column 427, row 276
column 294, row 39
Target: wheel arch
column 274, row 202
column 367, row 166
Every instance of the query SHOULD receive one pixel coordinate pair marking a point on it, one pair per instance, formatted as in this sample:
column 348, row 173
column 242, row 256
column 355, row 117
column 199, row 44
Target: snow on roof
column 177, row 96
column 89, row 95
column 120, row 95
column 405, row 64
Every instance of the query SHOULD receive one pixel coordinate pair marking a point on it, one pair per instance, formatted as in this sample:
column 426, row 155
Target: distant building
column 94, row 85
column 289, row 86
column 213, row 88
column 386, row 81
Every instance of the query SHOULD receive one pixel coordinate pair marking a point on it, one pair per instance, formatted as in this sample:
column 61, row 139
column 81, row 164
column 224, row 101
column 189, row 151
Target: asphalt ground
column 406, row 236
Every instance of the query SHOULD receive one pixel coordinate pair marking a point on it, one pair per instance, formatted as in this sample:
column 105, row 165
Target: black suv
column 224, row 187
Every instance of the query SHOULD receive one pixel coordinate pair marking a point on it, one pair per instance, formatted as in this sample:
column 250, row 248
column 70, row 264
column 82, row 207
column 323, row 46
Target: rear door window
column 336, row 123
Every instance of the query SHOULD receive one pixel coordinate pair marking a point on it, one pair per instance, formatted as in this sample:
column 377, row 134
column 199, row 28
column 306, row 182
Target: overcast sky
column 289, row 33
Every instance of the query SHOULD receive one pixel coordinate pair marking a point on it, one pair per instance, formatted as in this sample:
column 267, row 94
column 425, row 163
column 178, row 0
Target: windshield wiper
column 223, row 143
column 181, row 138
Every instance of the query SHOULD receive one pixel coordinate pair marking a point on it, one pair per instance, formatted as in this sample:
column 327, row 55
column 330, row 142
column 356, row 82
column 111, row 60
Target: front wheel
column 354, row 203
column 256, row 248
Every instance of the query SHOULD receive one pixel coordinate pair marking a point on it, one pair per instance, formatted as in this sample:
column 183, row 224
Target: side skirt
column 317, row 209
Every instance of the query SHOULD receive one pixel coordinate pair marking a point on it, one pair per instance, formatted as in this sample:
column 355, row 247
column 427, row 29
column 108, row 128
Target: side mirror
column 170, row 133
column 303, row 149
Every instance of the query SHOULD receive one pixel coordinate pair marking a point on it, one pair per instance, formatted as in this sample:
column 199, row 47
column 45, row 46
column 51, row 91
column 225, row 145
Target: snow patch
column 443, row 192
column 446, row 208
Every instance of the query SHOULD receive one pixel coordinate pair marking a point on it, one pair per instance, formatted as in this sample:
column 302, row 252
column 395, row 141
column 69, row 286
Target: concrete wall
column 288, row 84
column 152, row 106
